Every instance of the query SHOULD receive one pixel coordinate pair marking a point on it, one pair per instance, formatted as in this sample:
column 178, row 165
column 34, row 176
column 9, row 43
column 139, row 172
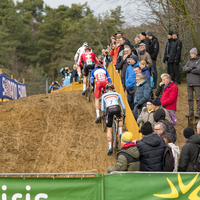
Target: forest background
column 36, row 41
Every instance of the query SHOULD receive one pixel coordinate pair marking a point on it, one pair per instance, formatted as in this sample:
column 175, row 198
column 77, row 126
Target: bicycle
column 88, row 89
column 103, row 121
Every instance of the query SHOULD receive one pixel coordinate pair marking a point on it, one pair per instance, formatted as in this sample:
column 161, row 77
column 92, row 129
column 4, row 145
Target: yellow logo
column 184, row 188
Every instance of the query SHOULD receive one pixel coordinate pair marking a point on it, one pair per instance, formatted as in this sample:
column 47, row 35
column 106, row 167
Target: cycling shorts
column 86, row 69
column 98, row 86
column 111, row 111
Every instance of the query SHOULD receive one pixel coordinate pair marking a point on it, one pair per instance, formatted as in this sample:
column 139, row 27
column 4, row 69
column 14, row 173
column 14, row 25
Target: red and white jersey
column 78, row 54
column 100, row 75
column 88, row 57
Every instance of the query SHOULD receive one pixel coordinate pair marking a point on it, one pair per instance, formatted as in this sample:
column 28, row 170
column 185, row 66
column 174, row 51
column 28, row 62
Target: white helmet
column 85, row 44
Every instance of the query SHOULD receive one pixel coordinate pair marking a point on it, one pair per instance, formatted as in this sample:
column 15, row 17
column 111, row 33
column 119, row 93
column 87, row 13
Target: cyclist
column 102, row 78
column 111, row 101
column 89, row 60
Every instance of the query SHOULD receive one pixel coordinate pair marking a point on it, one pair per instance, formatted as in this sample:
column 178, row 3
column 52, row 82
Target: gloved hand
column 138, row 106
column 140, row 120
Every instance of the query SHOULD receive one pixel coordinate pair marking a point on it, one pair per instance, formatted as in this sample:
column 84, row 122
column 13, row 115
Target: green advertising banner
column 51, row 189
column 150, row 186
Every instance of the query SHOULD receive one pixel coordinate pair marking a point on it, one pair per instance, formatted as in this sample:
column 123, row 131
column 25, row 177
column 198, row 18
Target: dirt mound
column 51, row 133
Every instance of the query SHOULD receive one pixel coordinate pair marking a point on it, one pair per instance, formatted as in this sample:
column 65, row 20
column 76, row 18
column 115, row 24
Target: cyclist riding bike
column 111, row 101
column 89, row 60
column 102, row 78
column 77, row 56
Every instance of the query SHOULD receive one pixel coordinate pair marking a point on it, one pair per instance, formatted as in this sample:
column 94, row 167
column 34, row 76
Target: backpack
column 168, row 160
column 151, row 82
column 173, row 117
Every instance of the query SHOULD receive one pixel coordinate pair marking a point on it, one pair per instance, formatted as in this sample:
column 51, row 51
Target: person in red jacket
column 170, row 94
column 89, row 60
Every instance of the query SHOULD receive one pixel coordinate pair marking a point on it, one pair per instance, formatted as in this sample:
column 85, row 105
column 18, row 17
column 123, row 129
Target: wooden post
column 23, row 80
column 11, row 76
column 1, row 72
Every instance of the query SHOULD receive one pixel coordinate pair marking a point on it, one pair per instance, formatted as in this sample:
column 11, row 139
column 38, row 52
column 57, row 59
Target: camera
column 114, row 42
column 66, row 70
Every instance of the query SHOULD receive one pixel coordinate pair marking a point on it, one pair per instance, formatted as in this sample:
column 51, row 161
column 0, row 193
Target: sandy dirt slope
column 51, row 133
column 57, row 133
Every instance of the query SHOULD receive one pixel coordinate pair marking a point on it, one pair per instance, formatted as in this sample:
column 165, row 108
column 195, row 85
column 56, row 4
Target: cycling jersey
column 78, row 54
column 110, row 99
column 88, row 58
column 102, row 78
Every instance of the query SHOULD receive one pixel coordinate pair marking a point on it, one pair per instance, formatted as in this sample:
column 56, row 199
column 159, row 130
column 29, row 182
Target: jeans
column 154, row 71
column 131, row 97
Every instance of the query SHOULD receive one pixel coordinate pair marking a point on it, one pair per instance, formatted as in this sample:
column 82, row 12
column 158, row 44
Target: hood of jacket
column 174, row 148
column 145, row 69
column 195, row 139
column 131, row 150
column 159, row 114
column 141, row 83
column 152, row 139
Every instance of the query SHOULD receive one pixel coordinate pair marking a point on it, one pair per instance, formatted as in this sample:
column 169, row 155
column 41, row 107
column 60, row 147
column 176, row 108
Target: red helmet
column 88, row 48
column 98, row 65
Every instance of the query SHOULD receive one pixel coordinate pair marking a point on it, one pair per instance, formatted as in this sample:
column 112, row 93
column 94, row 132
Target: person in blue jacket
column 130, row 78
column 66, row 72
column 55, row 86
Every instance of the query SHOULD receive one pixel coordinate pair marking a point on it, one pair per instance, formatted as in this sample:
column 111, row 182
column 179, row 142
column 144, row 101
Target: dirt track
column 57, row 133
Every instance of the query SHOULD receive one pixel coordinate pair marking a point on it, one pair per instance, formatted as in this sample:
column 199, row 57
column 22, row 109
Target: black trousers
column 174, row 72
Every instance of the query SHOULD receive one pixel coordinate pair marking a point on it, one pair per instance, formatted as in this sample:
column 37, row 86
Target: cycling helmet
column 85, row 44
column 88, row 48
column 98, row 65
column 110, row 86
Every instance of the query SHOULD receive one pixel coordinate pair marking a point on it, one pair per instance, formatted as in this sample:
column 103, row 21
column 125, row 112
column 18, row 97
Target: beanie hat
column 134, row 57
column 146, row 128
column 126, row 137
column 170, row 33
column 143, row 33
column 175, row 32
column 156, row 102
column 142, row 44
column 194, row 51
column 149, row 33
column 159, row 115
column 150, row 100
column 188, row 132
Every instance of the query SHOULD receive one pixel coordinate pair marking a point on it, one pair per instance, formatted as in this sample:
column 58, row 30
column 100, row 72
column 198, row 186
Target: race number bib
column 110, row 102
column 101, row 77
column 89, row 62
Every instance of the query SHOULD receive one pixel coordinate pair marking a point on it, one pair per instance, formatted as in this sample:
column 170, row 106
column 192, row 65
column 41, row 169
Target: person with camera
column 89, row 60
column 115, row 50
column 67, row 74
column 54, row 86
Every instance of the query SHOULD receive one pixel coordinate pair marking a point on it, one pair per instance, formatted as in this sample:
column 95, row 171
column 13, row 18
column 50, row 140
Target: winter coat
column 189, row 154
column 159, row 91
column 114, row 54
column 74, row 75
column 130, row 75
column 120, row 55
column 145, row 116
column 127, row 159
column 169, row 97
column 151, row 149
column 167, row 50
column 145, row 71
column 146, row 41
column 175, row 52
column 159, row 116
column 142, row 93
column 153, row 47
column 145, row 56
column 192, row 68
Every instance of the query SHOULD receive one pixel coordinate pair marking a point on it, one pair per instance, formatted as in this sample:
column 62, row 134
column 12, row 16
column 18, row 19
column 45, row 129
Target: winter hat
column 170, row 33
column 194, row 51
column 150, row 100
column 175, row 32
column 126, row 137
column 143, row 33
column 149, row 33
column 142, row 44
column 159, row 115
column 188, row 132
column 156, row 102
column 146, row 128
column 134, row 57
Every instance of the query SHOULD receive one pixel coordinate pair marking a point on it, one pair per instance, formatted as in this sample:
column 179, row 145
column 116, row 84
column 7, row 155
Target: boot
column 191, row 109
column 198, row 109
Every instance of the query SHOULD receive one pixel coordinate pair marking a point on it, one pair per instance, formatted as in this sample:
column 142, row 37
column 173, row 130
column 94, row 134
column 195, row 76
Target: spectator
column 54, row 86
column 123, row 64
column 144, row 68
column 144, row 40
column 151, row 149
column 66, row 72
column 74, row 74
column 106, row 58
column 121, row 51
column 175, row 58
column 138, row 70
column 192, row 68
column 167, row 51
column 127, row 158
column 189, row 151
column 170, row 94
column 160, row 88
column 160, row 129
column 137, row 41
column 157, row 105
column 159, row 116
column 153, row 51
column 198, row 127
column 147, row 114
column 143, row 55
column 130, row 78
column 115, row 50
column 142, row 94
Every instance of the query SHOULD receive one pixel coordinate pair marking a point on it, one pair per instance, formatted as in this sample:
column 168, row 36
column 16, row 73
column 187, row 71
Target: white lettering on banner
column 19, row 195
column 10, row 88
column 22, row 91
